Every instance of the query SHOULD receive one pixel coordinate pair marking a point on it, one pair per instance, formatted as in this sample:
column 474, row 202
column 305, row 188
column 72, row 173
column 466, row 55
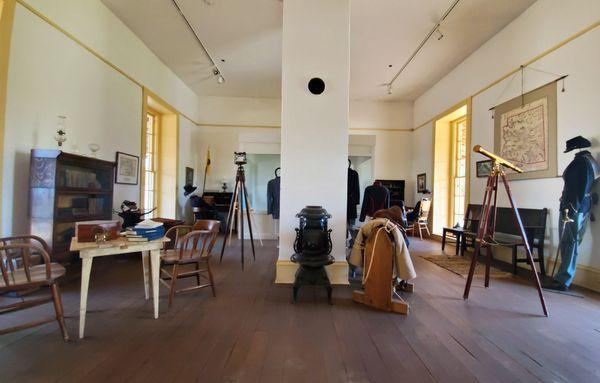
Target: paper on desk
column 148, row 224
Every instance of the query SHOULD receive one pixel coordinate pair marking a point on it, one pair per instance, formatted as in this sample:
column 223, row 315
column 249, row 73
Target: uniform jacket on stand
column 273, row 195
column 376, row 197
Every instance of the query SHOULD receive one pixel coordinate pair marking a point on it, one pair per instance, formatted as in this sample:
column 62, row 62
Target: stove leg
column 329, row 290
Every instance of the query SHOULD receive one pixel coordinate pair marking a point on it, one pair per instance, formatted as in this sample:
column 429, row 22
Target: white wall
column 49, row 74
column 543, row 25
column 97, row 27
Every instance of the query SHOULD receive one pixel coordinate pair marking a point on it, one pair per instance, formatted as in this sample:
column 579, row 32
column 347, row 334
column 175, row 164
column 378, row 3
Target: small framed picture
column 127, row 169
column 421, row 182
column 484, row 168
column 189, row 176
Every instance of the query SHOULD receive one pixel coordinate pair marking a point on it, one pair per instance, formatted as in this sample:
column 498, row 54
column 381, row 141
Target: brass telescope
column 497, row 159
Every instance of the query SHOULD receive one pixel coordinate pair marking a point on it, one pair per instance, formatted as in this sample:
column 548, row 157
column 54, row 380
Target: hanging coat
column 403, row 266
column 273, row 195
column 376, row 197
column 353, row 194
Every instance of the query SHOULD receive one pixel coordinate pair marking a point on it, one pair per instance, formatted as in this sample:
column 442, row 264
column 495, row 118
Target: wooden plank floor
column 252, row 333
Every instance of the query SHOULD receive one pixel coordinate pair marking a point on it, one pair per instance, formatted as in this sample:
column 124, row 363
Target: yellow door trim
column 7, row 14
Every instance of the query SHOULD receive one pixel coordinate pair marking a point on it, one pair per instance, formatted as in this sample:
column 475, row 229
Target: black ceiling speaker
column 316, row 85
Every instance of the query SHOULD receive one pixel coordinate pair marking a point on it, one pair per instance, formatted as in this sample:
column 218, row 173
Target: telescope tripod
column 239, row 201
column 487, row 228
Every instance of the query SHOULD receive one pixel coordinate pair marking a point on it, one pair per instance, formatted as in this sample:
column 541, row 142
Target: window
column 150, row 163
column 459, row 179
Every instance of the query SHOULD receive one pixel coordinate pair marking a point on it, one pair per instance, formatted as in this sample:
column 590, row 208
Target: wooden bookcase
column 66, row 188
column 396, row 188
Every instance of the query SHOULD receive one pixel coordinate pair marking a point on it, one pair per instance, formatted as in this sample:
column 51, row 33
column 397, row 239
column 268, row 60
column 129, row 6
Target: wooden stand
column 487, row 228
column 378, row 269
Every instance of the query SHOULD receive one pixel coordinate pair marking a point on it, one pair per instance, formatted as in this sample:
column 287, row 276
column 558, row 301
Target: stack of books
column 144, row 231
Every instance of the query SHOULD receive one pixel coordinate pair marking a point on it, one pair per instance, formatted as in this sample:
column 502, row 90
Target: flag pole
column 206, row 169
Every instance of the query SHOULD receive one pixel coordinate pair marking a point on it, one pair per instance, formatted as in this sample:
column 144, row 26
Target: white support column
column 314, row 128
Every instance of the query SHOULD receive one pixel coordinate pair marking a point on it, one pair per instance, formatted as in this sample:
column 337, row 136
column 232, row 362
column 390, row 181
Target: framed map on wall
column 525, row 133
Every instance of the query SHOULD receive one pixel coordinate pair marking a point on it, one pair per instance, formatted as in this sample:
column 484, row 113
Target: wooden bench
column 507, row 234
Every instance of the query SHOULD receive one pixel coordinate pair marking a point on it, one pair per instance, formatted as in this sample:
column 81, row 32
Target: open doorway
column 451, row 164
column 158, row 181
column 361, row 149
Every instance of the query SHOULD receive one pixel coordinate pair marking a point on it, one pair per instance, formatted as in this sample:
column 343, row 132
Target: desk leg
column 146, row 268
column 86, row 268
column 155, row 260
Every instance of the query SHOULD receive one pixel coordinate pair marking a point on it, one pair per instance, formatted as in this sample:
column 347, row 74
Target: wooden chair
column 175, row 233
column 466, row 232
column 191, row 249
column 25, row 265
column 211, row 225
column 422, row 219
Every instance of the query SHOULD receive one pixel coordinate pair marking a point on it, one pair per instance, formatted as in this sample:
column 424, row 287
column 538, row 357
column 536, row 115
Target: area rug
column 461, row 265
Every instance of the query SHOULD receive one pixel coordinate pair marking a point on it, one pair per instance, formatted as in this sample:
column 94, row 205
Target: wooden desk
column 150, row 261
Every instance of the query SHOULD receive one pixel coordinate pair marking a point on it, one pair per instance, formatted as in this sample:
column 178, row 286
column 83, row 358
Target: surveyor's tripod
column 239, row 202
column 487, row 228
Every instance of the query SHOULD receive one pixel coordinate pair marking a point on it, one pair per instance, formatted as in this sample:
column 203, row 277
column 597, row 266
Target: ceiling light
column 439, row 33
column 220, row 79
column 389, row 88
column 434, row 29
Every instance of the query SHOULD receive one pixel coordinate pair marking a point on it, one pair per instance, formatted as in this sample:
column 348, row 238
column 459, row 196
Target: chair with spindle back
column 25, row 265
column 175, row 233
column 211, row 225
column 421, row 221
column 191, row 249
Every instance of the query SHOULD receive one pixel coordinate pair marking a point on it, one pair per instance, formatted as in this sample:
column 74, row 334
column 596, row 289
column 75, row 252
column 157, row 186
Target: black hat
column 188, row 189
column 577, row 143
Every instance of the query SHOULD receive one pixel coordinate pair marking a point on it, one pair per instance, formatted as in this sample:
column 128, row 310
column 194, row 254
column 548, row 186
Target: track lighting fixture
column 436, row 30
column 220, row 78
column 389, row 88
column 215, row 69
column 439, row 34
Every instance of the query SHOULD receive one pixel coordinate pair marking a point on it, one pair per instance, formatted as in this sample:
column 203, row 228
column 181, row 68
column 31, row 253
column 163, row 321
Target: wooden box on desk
column 86, row 231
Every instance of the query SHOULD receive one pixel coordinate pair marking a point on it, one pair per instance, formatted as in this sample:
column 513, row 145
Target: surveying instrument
column 239, row 203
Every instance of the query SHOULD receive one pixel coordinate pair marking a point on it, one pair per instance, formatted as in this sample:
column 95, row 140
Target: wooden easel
column 378, row 269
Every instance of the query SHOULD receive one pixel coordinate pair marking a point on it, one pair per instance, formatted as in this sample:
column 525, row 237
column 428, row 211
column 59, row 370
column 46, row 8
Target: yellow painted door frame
column 7, row 14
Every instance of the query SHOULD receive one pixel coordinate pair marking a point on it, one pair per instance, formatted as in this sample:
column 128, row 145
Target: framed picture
column 525, row 133
column 421, row 182
column 189, row 176
column 127, row 169
column 484, row 168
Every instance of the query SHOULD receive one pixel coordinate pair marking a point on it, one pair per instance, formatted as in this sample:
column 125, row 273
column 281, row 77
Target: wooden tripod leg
column 247, row 203
column 481, row 231
column 229, row 220
column 523, row 234
column 241, row 222
column 488, row 263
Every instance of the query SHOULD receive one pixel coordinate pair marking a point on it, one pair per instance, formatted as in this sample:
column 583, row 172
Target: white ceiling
column 247, row 35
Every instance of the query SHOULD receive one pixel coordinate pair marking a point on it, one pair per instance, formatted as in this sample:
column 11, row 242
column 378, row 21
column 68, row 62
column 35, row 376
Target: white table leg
column 86, row 268
column 146, row 268
column 155, row 260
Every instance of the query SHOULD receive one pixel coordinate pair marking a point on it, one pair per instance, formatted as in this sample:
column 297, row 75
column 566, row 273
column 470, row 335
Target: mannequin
column 353, row 194
column 575, row 207
column 376, row 197
column 273, row 198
